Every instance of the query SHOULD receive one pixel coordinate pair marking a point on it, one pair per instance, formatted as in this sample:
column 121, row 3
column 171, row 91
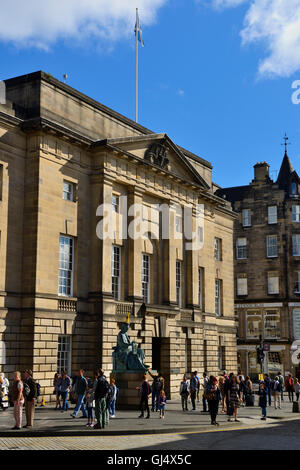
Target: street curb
column 132, row 432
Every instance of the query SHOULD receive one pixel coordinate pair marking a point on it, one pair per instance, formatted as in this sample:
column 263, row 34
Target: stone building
column 71, row 170
column 267, row 267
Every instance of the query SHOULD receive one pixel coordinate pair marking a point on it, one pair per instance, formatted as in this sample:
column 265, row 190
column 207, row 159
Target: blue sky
column 198, row 83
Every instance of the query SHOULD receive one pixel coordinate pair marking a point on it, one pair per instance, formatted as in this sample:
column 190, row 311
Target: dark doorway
column 156, row 354
column 161, row 360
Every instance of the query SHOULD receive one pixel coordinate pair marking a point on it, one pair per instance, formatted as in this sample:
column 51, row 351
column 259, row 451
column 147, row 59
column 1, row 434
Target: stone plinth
column 129, row 397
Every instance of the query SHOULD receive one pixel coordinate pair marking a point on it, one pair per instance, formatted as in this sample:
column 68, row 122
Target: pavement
column 50, row 422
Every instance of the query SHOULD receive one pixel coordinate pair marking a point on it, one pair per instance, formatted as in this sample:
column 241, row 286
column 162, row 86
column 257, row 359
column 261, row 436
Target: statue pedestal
column 127, row 381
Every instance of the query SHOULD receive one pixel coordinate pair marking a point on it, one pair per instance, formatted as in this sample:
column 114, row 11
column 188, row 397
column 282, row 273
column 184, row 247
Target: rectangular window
column 297, row 282
column 146, row 278
column 296, row 245
column 201, row 287
column 64, row 353
column 273, row 283
column 218, row 297
column 221, row 355
column 218, row 248
column 242, row 284
column 178, row 283
column 272, row 249
column 296, row 213
column 116, row 272
column 254, row 324
column 66, row 255
column 68, row 191
column 246, row 218
column 272, row 215
column 116, row 203
column 272, row 324
column 241, row 248
column 178, row 224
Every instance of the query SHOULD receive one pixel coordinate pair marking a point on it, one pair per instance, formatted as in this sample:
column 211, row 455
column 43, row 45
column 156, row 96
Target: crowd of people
column 96, row 398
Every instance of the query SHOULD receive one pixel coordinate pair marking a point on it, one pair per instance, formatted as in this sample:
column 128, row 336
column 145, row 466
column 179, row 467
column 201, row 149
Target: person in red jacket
column 289, row 386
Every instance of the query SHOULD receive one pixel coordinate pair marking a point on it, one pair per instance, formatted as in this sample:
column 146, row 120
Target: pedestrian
column 101, row 392
column 113, row 398
column 268, row 386
column 263, row 396
column 198, row 389
column 227, row 385
column 234, row 397
column 80, row 387
column 18, row 399
column 277, row 389
column 213, row 397
column 242, row 389
column 184, row 393
column 297, row 388
column 281, row 381
column 64, row 384
column 204, row 402
column 162, row 401
column 4, row 384
column 30, row 395
column 90, row 404
column 145, row 391
column 157, row 385
column 289, row 386
column 56, row 391
column 193, row 390
column 249, row 397
column 222, row 392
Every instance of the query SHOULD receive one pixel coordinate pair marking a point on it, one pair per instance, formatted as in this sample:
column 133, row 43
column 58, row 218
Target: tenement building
column 267, row 268
column 100, row 217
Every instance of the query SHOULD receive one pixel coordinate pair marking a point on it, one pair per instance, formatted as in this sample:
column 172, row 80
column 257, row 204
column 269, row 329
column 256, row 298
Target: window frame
column 270, row 247
column 246, row 219
column 146, row 256
column 118, row 283
column 71, row 287
column 275, row 216
column 71, row 184
column 241, row 247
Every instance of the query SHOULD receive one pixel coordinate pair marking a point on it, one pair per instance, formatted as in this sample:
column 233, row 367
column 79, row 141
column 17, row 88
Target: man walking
column 204, row 385
column 193, row 390
column 157, row 386
column 30, row 395
column 268, row 384
column 101, row 392
column 80, row 388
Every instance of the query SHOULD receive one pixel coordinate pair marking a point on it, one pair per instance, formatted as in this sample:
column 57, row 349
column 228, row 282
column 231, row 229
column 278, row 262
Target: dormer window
column 294, row 189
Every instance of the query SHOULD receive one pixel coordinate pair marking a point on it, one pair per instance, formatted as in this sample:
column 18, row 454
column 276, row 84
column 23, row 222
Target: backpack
column 26, row 389
column 184, row 388
column 38, row 389
column 158, row 384
column 102, row 388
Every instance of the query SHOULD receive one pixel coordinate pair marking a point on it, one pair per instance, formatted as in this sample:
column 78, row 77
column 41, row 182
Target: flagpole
column 136, row 69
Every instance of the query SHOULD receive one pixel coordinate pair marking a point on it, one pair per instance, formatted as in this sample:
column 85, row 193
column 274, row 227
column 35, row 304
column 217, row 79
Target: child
column 263, row 395
column 90, row 404
column 162, row 400
column 184, row 393
column 113, row 398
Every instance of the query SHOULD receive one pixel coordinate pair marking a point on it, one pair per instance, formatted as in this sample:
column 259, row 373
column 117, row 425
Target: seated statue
column 127, row 355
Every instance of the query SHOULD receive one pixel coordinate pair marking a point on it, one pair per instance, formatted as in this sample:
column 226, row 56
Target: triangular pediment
column 161, row 152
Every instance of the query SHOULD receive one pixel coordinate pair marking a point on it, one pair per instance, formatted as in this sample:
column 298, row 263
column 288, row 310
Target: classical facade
column 95, row 219
column 267, row 268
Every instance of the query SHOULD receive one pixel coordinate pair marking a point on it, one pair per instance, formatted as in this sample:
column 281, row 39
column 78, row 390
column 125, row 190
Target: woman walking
column 18, row 399
column 213, row 397
column 223, row 394
column 249, row 397
column 184, row 393
column 56, row 392
column 234, row 397
column 64, row 386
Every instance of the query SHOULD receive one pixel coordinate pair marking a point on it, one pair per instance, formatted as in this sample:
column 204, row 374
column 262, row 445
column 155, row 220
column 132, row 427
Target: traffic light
column 260, row 355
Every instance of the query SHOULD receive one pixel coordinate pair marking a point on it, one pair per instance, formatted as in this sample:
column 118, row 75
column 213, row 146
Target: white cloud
column 227, row 3
column 40, row 23
column 277, row 24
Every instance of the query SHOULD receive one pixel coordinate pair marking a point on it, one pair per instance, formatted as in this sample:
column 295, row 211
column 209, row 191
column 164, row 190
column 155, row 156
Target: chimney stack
column 261, row 172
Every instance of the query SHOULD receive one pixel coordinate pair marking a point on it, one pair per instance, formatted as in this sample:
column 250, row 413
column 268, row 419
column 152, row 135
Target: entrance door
column 161, row 360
